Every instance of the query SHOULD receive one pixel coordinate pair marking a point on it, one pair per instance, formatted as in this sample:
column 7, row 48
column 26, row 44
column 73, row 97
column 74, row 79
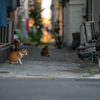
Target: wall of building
column 72, row 18
column 55, row 13
column 60, row 19
column 66, row 22
column 97, row 13
column 14, row 17
column 93, row 12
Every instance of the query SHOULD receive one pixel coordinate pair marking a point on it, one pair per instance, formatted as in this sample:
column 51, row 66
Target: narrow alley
column 69, row 69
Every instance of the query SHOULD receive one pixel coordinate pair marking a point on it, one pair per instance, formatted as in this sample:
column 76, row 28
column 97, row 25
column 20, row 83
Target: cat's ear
column 25, row 49
column 22, row 49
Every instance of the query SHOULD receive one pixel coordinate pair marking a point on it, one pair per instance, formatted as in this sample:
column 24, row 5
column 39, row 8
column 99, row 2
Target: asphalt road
column 49, row 89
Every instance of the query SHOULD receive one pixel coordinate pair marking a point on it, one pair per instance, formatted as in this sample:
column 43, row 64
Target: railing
column 6, row 34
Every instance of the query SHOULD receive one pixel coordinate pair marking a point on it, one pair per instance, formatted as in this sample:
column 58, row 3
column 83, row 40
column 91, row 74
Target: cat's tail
column 10, row 62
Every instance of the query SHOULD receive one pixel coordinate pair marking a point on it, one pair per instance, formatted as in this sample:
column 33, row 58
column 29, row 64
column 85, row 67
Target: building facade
column 93, row 12
column 73, row 16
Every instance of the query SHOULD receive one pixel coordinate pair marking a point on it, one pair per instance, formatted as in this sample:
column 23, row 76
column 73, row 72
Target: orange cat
column 15, row 57
column 16, row 43
column 45, row 51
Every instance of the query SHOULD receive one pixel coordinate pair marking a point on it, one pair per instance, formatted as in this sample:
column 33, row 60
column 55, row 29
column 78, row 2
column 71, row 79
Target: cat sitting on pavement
column 16, row 44
column 15, row 57
column 45, row 51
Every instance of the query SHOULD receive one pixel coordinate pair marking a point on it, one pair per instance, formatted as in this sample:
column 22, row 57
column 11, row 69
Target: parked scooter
column 57, row 37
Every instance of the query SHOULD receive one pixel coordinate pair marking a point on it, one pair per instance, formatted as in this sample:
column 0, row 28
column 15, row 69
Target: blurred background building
column 67, row 14
column 73, row 16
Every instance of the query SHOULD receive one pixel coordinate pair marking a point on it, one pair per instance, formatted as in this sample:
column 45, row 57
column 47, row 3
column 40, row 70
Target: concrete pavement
column 62, row 63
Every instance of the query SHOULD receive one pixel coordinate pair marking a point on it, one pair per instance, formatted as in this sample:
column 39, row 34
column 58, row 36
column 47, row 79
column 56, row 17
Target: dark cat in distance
column 45, row 51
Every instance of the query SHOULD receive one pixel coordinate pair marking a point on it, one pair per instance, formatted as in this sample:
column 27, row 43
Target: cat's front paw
column 21, row 63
